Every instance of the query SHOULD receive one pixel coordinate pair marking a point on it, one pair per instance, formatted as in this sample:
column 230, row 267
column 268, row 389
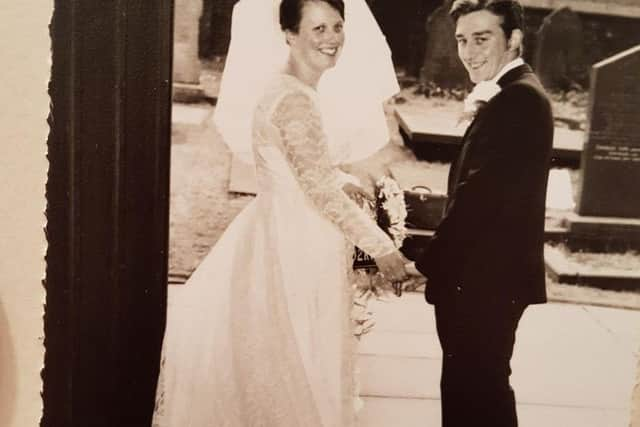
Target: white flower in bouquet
column 393, row 205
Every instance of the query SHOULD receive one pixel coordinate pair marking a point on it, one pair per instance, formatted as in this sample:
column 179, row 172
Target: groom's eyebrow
column 482, row 33
column 475, row 34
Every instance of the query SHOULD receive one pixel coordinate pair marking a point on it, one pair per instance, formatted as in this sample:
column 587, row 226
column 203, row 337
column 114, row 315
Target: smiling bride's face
column 320, row 37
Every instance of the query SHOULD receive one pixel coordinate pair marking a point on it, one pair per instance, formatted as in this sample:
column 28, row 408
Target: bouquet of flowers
column 390, row 212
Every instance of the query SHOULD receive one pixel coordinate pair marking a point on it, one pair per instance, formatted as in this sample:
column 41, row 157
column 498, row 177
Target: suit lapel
column 454, row 174
column 457, row 167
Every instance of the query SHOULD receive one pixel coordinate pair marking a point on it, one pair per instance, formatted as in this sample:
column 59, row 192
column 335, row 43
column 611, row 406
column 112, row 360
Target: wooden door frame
column 107, row 211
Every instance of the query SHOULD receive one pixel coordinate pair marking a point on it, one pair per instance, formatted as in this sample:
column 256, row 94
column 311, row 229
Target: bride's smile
column 331, row 51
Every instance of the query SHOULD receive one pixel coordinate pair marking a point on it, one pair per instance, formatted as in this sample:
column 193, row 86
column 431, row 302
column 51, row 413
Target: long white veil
column 351, row 94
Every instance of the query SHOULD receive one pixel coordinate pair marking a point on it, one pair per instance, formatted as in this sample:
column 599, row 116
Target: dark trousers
column 477, row 338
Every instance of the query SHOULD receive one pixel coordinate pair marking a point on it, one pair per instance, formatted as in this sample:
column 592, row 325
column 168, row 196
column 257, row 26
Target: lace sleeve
column 306, row 150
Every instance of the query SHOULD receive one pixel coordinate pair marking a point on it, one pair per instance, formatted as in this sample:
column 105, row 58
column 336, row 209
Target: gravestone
column 186, row 64
column 416, row 34
column 559, row 58
column 611, row 158
column 441, row 63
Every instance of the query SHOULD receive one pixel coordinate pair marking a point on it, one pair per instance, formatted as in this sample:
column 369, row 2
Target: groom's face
column 482, row 45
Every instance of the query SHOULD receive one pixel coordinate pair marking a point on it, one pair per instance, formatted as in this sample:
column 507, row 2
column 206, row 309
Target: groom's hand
column 412, row 271
column 414, row 279
column 391, row 266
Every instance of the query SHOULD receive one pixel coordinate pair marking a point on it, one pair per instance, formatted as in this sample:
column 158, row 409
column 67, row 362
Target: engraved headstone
column 611, row 159
column 186, row 64
column 416, row 33
column 559, row 58
column 441, row 63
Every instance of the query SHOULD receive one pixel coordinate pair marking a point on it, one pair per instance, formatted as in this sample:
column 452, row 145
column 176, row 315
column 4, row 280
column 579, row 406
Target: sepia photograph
column 320, row 213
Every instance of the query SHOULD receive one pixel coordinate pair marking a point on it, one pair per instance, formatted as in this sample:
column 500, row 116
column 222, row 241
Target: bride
column 260, row 335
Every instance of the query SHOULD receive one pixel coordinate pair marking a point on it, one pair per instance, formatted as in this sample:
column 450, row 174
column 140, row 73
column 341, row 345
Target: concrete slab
column 408, row 314
column 566, row 416
column 400, row 344
column 563, row 357
column 443, row 128
column 443, row 131
column 624, row 325
column 392, row 376
column 573, row 365
column 183, row 114
column 398, row 412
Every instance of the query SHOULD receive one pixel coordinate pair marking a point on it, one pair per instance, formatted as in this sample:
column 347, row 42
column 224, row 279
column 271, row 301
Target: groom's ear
column 515, row 41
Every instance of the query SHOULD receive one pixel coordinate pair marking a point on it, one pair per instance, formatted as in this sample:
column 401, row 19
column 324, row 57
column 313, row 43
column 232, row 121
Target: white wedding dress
column 260, row 335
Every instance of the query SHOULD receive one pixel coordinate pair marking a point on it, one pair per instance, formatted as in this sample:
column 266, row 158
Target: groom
column 484, row 264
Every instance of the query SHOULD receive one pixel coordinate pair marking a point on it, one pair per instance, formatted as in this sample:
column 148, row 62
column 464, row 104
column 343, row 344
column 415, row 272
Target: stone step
column 563, row 270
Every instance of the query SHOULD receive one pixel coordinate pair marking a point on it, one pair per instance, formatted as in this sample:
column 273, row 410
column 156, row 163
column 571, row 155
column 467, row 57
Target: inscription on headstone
column 559, row 57
column 611, row 158
column 441, row 63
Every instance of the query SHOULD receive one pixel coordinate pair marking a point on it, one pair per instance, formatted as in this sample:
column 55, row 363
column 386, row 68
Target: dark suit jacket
column 490, row 242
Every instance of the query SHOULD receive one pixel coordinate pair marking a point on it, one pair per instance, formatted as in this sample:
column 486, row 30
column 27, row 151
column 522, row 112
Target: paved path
column 573, row 365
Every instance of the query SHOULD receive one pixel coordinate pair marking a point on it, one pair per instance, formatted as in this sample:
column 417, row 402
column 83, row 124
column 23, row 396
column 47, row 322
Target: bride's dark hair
column 291, row 12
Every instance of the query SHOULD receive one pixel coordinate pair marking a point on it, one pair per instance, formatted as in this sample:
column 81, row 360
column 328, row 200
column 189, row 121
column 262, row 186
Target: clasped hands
column 394, row 266
column 398, row 270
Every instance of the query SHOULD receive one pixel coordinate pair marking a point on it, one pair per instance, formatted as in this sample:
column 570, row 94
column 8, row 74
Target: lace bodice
column 288, row 119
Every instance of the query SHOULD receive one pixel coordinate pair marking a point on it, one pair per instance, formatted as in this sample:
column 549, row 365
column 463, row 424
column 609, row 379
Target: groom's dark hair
column 291, row 12
column 510, row 11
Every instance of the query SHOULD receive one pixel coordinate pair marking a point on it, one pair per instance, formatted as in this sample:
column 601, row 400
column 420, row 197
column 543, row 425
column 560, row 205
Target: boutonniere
column 479, row 96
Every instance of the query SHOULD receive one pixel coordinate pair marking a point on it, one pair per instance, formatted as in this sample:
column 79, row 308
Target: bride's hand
column 357, row 193
column 392, row 266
